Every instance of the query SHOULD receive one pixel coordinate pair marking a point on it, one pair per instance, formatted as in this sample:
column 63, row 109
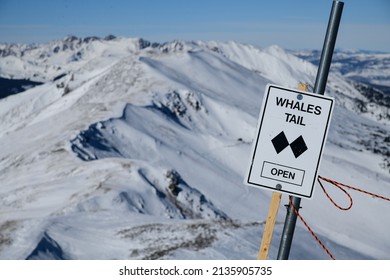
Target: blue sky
column 291, row 24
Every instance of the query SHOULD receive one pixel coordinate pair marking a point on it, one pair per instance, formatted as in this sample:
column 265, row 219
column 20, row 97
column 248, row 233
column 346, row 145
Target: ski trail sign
column 290, row 138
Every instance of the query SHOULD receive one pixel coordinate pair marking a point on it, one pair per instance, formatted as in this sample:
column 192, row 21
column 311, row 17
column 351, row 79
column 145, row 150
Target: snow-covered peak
column 273, row 62
column 44, row 62
column 137, row 150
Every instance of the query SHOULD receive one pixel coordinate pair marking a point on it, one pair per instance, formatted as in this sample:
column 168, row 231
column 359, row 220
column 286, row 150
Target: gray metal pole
column 288, row 229
column 328, row 47
column 319, row 87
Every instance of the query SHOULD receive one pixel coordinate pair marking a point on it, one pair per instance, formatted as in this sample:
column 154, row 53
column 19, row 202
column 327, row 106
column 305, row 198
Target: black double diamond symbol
column 280, row 142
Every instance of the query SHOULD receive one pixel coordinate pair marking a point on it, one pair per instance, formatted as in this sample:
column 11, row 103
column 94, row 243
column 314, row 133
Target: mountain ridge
column 153, row 141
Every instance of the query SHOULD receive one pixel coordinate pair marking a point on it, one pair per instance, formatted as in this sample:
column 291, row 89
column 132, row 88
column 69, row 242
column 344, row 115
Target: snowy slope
column 139, row 151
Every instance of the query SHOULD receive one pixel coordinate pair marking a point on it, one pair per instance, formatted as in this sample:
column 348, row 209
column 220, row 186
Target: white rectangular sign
column 290, row 138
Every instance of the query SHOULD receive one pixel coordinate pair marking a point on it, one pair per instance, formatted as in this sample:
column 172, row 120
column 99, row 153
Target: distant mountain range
column 372, row 68
column 128, row 149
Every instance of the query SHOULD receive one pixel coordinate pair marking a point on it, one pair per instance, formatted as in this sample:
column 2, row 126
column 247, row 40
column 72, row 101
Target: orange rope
column 334, row 203
column 310, row 230
column 340, row 186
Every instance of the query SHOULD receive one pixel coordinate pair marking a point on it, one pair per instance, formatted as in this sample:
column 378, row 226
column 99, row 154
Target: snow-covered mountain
column 137, row 150
column 369, row 67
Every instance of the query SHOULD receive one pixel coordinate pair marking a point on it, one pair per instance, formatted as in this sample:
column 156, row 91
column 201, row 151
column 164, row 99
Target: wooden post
column 303, row 87
column 273, row 212
column 269, row 226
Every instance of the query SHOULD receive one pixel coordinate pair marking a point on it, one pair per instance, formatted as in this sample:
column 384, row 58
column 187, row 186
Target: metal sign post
column 319, row 88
